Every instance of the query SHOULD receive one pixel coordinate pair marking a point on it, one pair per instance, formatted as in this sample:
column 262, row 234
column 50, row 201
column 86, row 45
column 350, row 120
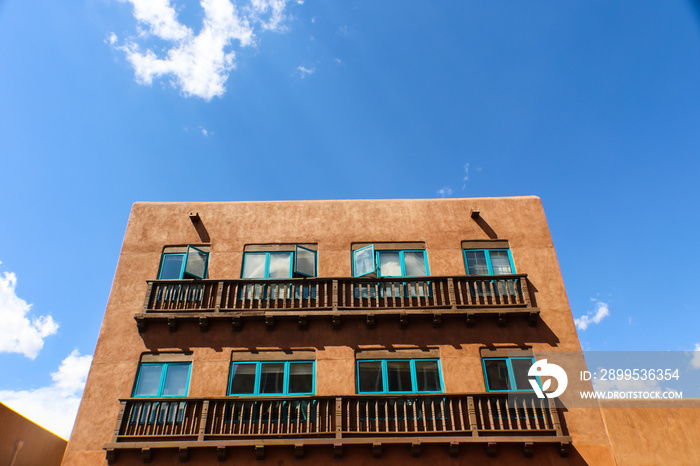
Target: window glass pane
column 500, row 262
column 364, row 261
column 243, row 379
column 497, row 374
column 414, row 262
column 301, row 377
column 196, row 263
column 280, row 264
column 389, row 264
column 369, row 374
column 272, row 377
column 254, row 266
column 476, row 263
column 520, row 368
column 176, row 377
column 171, row 267
column 427, row 376
column 399, row 376
column 148, row 380
column 305, row 262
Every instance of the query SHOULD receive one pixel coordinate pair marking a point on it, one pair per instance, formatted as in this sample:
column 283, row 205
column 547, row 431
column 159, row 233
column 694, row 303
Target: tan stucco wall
column 24, row 443
column 645, row 433
column 334, row 225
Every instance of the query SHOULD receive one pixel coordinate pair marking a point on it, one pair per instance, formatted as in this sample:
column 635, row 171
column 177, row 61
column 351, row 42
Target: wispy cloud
column 695, row 360
column 199, row 65
column 595, row 316
column 19, row 333
column 54, row 407
column 444, row 192
column 303, row 71
column 466, row 176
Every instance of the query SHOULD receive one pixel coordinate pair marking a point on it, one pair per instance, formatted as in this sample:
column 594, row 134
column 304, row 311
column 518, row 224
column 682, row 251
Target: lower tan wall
column 24, row 443
column 654, row 432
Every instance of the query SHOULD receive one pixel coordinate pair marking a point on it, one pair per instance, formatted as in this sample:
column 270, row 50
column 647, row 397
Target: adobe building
column 25, row 443
column 314, row 332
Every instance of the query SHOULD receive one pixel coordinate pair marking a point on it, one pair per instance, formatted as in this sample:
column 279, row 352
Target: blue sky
column 593, row 106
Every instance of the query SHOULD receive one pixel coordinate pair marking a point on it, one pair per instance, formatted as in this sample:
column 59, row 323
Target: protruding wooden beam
column 183, row 454
column 269, row 323
column 370, row 321
column 141, row 324
column 299, row 451
column 203, row 324
column 564, row 449
column 501, row 320
column 172, row 324
column 111, row 455
column 237, row 323
column 437, row 320
column 377, row 450
column 403, row 320
column 532, row 319
column 453, row 449
column 491, row 449
column 338, row 450
column 528, row 449
column 303, row 322
column 470, row 320
column 221, row 453
column 336, row 322
column 415, row 449
column 260, row 452
column 146, row 455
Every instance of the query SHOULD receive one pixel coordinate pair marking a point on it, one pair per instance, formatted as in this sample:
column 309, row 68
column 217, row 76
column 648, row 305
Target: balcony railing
column 147, row 423
column 469, row 295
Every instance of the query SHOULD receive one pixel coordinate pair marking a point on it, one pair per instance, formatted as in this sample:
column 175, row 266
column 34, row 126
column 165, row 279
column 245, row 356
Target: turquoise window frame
column 373, row 270
column 183, row 266
column 511, row 373
column 376, row 270
column 402, row 254
column 487, row 255
column 258, row 373
column 385, row 378
column 292, row 263
column 163, row 374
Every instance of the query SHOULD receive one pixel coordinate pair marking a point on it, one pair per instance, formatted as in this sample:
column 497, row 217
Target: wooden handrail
column 211, row 419
column 338, row 293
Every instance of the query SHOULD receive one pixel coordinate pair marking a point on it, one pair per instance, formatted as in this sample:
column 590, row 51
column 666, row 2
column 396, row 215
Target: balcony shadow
column 320, row 333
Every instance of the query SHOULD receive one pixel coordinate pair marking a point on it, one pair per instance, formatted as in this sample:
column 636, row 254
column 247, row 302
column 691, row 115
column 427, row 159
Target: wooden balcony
column 222, row 424
column 301, row 299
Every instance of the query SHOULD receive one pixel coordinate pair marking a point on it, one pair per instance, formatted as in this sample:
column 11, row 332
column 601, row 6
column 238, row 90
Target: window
column 369, row 261
column 399, row 376
column 267, row 378
column 297, row 262
column 280, row 264
column 389, row 263
column 190, row 263
column 507, row 373
column 488, row 262
column 162, row 379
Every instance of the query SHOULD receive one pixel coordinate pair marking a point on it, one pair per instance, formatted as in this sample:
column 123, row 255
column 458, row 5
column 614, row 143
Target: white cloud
column 19, row 333
column 275, row 9
column 466, row 176
column 695, row 360
column 198, row 64
column 304, row 71
column 54, row 407
column 204, row 132
column 444, row 192
column 600, row 312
